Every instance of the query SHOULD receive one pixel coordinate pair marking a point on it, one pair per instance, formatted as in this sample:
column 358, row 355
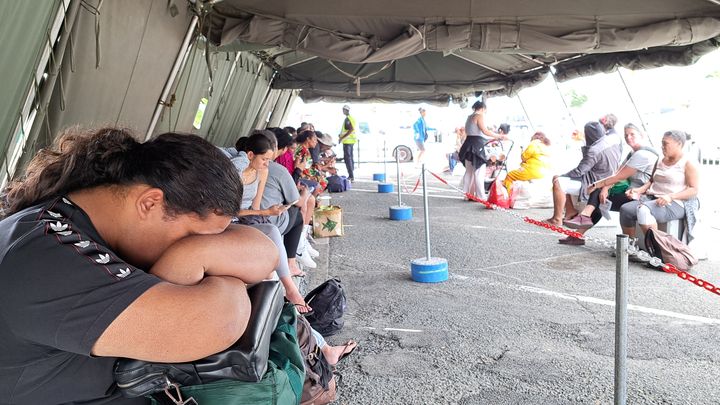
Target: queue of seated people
column 646, row 187
column 110, row 247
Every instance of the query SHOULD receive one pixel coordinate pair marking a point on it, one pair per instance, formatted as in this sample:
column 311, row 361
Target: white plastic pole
column 385, row 159
column 427, row 216
column 397, row 164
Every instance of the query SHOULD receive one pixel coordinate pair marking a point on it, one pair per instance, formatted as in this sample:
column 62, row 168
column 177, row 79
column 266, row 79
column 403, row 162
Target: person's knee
column 627, row 217
column 256, row 241
column 645, row 216
column 556, row 185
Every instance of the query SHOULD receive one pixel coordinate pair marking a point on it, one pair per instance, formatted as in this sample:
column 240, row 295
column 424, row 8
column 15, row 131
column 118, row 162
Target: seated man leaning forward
column 600, row 158
column 114, row 248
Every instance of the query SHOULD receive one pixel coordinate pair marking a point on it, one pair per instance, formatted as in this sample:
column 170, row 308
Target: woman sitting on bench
column 663, row 197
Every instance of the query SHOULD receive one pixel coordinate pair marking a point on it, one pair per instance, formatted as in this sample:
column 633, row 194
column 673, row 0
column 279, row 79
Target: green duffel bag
column 281, row 384
column 275, row 388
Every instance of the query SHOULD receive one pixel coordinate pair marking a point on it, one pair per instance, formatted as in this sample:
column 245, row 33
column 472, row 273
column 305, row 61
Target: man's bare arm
column 173, row 323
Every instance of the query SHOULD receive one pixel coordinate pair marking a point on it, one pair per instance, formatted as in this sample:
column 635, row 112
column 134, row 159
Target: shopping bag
column 520, row 195
column 327, row 221
column 498, row 195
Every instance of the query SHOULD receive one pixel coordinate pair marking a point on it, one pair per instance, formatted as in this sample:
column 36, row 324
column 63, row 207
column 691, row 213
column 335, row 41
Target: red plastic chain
column 669, row 268
column 439, row 178
column 555, row 228
column 417, row 183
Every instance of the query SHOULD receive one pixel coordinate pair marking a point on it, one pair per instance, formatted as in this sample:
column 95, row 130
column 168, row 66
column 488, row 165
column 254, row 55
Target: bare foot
column 333, row 354
column 553, row 221
column 294, row 269
column 296, row 299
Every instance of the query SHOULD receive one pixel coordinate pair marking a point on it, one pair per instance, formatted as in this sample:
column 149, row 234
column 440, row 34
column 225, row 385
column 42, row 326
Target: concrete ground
column 521, row 319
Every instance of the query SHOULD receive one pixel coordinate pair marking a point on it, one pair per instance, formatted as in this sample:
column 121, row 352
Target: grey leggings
column 272, row 232
column 647, row 212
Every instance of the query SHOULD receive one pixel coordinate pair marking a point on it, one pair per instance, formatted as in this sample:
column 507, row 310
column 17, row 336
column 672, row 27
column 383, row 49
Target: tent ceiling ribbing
column 433, row 51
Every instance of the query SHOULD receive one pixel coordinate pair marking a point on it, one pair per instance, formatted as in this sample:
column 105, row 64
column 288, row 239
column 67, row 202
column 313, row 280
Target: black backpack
column 337, row 184
column 329, row 303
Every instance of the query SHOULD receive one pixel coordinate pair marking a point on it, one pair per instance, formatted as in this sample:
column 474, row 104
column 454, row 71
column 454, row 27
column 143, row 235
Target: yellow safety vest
column 351, row 138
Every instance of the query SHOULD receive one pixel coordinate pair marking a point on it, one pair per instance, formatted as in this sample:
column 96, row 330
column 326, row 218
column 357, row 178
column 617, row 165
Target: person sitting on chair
column 663, row 198
column 600, row 159
column 109, row 246
column 534, row 164
column 634, row 172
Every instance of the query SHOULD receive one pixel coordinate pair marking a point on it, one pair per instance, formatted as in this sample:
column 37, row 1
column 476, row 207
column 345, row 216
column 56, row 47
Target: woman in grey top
column 260, row 152
column 472, row 152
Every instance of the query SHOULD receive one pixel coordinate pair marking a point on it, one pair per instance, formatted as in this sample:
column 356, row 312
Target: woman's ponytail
column 78, row 159
column 193, row 174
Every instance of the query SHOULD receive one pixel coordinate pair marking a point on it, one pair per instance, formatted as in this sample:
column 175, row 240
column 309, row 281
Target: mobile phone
column 287, row 206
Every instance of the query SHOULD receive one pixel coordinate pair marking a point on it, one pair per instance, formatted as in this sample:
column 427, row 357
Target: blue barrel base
column 379, row 177
column 400, row 213
column 434, row 270
column 386, row 187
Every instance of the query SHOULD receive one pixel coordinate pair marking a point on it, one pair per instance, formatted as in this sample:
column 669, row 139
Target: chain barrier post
column 426, row 214
column 397, row 166
column 621, row 288
column 383, row 187
column 399, row 212
column 384, row 159
column 428, row 269
column 381, row 176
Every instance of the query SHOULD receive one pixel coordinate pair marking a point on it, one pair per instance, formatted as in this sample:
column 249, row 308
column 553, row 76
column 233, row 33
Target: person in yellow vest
column 348, row 140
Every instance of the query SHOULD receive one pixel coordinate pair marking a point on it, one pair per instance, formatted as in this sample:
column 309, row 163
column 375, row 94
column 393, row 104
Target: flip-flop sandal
column 348, row 344
column 309, row 311
column 301, row 275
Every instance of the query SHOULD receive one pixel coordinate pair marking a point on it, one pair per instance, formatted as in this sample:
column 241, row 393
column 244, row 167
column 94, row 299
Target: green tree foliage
column 576, row 100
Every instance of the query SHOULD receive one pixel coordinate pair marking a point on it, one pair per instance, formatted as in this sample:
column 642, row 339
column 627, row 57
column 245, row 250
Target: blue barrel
column 400, row 213
column 379, row 177
column 434, row 270
column 386, row 187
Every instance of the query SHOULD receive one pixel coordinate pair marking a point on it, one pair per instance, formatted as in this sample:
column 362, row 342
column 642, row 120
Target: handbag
column 282, row 383
column 246, row 360
column 619, row 188
column 327, row 221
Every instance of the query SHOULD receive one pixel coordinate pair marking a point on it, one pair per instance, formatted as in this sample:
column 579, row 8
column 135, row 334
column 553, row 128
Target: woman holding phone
column 254, row 173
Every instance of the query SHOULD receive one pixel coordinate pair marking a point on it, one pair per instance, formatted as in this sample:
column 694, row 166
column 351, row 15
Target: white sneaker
column 311, row 251
column 306, row 261
column 309, row 233
column 302, row 245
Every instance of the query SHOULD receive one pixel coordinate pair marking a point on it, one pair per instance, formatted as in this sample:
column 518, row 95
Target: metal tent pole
column 563, row 100
column 632, row 100
column 171, row 79
column 525, row 111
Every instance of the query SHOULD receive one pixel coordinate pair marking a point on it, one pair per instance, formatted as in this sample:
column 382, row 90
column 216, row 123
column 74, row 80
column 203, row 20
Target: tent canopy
column 435, row 51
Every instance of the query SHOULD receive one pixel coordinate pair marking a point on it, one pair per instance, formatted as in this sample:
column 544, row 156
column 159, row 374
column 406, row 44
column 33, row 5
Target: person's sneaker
column 309, row 233
column 306, row 261
column 579, row 222
column 311, row 251
column 572, row 241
